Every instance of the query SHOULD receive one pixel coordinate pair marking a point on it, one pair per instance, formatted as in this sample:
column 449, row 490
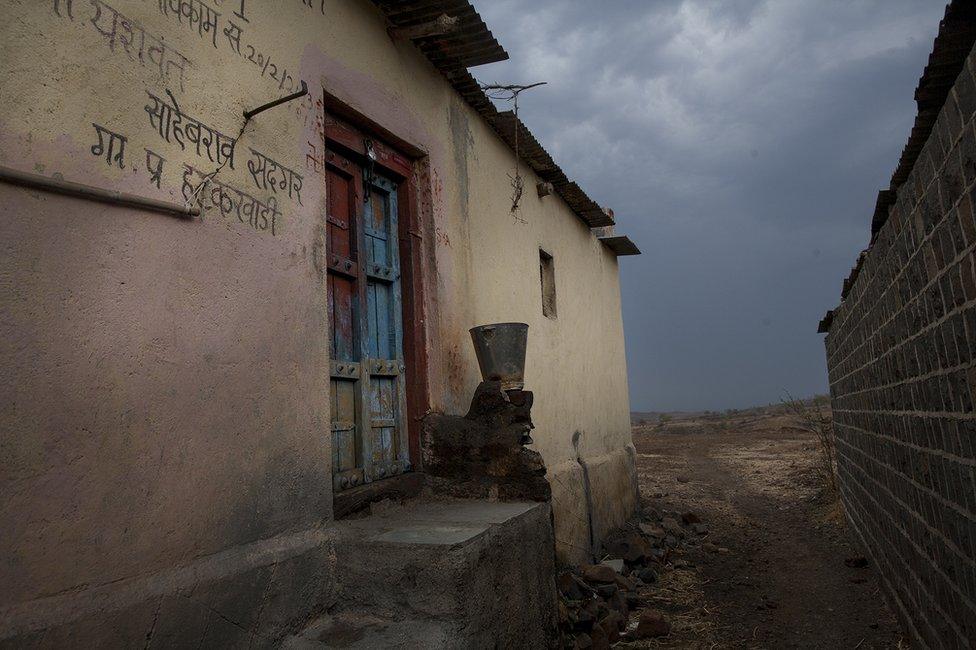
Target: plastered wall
column 165, row 393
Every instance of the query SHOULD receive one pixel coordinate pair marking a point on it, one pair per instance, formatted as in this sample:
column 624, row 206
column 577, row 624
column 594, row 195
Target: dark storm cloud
column 741, row 144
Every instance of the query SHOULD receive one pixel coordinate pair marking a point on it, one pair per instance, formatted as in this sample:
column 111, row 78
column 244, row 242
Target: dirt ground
column 771, row 572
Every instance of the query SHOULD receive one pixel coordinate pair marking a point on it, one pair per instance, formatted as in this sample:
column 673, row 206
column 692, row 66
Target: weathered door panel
column 345, row 338
column 369, row 435
column 385, row 441
column 343, row 275
column 383, row 424
column 341, row 314
column 381, row 327
column 345, row 450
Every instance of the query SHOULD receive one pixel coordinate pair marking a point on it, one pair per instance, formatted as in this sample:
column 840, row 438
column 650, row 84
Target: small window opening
column 547, row 276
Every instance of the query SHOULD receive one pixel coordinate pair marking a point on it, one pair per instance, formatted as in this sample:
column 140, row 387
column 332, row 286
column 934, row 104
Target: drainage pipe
column 91, row 193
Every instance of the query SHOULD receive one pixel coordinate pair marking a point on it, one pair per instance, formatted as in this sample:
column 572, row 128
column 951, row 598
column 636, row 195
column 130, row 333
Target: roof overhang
column 620, row 245
column 470, row 43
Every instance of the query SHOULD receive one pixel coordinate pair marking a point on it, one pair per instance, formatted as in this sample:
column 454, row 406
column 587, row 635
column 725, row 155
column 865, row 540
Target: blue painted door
column 369, row 436
column 385, row 443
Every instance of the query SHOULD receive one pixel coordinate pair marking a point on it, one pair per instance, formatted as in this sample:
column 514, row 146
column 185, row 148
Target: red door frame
column 346, row 132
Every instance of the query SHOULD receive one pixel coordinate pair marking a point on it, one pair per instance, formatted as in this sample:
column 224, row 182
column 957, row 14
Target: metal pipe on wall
column 91, row 193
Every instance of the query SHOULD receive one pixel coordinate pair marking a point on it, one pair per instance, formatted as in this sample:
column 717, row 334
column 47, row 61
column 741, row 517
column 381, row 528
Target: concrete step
column 358, row 630
column 450, row 573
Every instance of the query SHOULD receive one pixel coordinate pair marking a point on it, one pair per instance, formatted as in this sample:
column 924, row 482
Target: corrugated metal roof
column 470, row 45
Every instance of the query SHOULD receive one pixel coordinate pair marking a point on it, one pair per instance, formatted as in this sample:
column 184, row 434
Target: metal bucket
column 501, row 352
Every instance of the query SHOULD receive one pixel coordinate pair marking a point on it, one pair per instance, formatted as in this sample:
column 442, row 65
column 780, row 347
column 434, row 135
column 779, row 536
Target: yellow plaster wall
column 167, row 386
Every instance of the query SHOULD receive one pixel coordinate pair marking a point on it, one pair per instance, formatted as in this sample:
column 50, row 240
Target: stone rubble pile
column 606, row 604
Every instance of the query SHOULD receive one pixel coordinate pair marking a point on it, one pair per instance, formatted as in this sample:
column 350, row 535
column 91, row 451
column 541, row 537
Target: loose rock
column 653, row 530
column 647, row 576
column 672, row 527
column 619, row 603
column 569, row 586
column 599, row 638
column 599, row 573
column 587, row 615
column 690, row 518
column 626, row 584
column 611, row 625
column 633, row 548
column 652, row 624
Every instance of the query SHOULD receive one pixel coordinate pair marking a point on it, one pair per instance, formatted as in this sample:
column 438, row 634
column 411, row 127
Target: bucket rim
column 481, row 327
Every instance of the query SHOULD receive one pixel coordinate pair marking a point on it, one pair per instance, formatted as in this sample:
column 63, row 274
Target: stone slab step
column 448, row 569
column 357, row 630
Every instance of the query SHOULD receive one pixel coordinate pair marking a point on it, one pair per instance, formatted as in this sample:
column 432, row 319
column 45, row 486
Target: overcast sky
column 741, row 145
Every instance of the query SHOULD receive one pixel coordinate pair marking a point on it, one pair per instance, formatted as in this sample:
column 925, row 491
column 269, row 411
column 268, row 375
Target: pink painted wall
column 164, row 392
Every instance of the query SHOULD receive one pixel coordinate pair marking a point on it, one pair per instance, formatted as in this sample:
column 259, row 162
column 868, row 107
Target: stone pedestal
column 483, row 454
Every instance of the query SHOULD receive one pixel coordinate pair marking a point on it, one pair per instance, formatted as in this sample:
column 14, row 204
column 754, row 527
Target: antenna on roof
column 510, row 93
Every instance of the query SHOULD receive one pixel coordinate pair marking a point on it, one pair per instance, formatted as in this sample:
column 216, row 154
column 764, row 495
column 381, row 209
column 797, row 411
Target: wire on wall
column 510, row 93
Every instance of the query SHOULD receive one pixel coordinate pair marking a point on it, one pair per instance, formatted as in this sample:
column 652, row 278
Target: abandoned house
column 240, row 398
column 900, row 356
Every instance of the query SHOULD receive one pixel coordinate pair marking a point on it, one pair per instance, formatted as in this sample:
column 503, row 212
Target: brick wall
column 901, row 353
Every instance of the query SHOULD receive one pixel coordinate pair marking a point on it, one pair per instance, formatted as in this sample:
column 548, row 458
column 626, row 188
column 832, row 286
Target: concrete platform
column 442, row 574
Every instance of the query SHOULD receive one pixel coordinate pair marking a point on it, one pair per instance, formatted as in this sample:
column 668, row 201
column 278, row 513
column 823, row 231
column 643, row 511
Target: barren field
column 776, row 568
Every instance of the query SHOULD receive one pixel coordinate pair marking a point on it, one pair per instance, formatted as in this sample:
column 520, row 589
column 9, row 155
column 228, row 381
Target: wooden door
column 369, row 437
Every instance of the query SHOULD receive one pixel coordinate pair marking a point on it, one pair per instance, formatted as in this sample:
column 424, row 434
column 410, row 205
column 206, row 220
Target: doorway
column 377, row 378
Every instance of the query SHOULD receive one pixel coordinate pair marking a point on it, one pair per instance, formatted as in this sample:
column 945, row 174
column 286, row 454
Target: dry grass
column 818, row 421
column 679, row 596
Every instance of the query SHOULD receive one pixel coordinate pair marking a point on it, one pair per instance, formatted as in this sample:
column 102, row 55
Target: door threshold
column 398, row 488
